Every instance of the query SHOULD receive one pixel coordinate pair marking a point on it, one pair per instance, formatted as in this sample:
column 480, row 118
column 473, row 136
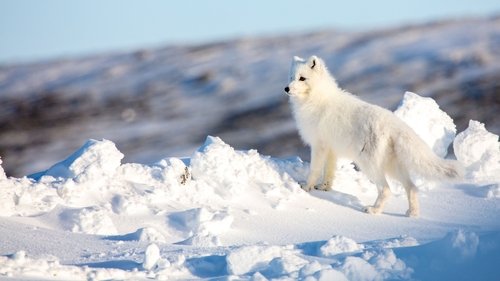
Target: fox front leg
column 318, row 159
column 329, row 172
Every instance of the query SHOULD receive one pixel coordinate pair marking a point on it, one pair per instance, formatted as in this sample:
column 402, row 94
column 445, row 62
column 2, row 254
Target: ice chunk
column 151, row 256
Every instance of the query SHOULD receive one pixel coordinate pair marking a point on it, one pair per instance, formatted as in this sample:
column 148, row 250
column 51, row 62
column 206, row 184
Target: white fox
column 335, row 123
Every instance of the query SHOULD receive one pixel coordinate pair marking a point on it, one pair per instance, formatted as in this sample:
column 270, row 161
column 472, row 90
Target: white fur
column 337, row 124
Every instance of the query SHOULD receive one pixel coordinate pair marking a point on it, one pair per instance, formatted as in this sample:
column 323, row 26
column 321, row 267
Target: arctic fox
column 335, row 123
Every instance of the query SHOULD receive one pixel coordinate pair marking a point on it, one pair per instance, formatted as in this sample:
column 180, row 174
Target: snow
column 151, row 256
column 338, row 245
column 229, row 214
column 251, row 259
column 460, row 255
column 479, row 150
column 425, row 117
column 2, row 172
column 93, row 160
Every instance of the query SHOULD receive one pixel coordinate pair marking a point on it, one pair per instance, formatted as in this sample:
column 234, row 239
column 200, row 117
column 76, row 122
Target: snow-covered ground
column 225, row 214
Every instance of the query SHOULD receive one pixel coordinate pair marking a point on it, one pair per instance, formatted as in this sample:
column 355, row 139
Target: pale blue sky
column 36, row 30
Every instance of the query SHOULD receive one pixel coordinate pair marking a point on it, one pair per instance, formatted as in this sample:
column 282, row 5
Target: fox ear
column 295, row 62
column 314, row 62
column 298, row 59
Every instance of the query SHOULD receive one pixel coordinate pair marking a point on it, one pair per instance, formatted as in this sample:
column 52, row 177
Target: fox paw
column 412, row 213
column 305, row 187
column 323, row 187
column 372, row 210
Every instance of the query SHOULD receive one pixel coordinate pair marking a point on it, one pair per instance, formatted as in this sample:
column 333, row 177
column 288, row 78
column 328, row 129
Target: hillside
column 163, row 102
column 226, row 214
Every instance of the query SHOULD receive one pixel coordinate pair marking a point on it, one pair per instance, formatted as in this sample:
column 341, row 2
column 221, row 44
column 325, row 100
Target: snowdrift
column 229, row 213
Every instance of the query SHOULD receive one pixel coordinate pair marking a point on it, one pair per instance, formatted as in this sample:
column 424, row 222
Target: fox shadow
column 117, row 264
column 340, row 198
column 346, row 200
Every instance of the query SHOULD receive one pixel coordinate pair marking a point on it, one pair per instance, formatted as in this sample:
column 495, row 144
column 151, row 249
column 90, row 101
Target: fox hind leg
column 401, row 174
column 412, row 194
column 383, row 195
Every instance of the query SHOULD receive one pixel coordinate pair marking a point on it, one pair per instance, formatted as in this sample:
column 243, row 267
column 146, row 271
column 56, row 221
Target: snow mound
column 269, row 261
column 425, row 117
column 342, row 259
column 91, row 220
column 231, row 172
column 317, row 271
column 339, row 244
column 201, row 225
column 479, row 151
column 251, row 259
column 287, row 264
column 150, row 234
column 355, row 268
column 92, row 187
column 95, row 159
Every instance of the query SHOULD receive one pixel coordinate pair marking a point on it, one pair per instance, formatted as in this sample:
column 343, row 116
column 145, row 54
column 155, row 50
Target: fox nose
column 287, row 89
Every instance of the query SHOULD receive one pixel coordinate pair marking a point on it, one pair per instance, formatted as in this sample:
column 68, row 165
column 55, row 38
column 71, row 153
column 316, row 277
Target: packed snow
column 239, row 215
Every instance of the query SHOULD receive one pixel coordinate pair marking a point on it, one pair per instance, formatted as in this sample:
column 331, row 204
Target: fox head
column 305, row 75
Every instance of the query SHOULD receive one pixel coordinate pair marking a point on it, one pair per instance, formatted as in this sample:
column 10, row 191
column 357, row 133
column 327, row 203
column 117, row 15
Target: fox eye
column 302, row 78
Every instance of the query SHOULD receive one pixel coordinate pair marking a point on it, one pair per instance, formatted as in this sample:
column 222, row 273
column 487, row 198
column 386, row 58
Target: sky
column 40, row 30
